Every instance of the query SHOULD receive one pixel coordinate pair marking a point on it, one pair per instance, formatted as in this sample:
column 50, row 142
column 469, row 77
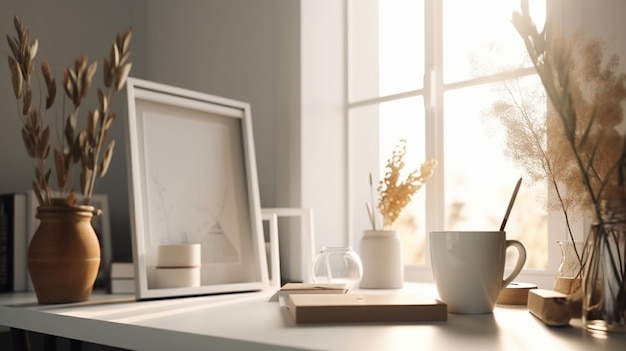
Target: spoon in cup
column 511, row 202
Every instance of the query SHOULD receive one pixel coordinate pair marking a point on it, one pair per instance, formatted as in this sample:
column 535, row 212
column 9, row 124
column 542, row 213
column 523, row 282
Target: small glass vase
column 337, row 265
column 568, row 278
column 604, row 287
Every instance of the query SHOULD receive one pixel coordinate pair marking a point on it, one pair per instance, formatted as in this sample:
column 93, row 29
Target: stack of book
column 13, row 242
column 122, row 278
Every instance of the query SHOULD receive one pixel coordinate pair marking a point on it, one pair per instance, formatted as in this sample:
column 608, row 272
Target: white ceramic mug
column 468, row 267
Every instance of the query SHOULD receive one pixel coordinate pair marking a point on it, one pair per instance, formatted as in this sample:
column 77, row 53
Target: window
column 428, row 71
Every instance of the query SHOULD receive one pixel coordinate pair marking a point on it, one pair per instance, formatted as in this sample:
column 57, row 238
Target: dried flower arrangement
column 536, row 139
column 75, row 145
column 585, row 149
column 394, row 194
column 586, row 111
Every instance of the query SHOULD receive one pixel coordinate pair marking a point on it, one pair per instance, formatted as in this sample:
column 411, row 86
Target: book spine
column 20, row 247
column 31, row 226
column 13, row 249
column 122, row 286
column 121, row 270
column 6, row 246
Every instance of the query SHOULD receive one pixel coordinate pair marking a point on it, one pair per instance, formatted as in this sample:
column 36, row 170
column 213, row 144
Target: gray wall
column 65, row 30
column 240, row 49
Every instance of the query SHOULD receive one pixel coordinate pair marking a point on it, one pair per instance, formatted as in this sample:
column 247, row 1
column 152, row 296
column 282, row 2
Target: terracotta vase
column 64, row 254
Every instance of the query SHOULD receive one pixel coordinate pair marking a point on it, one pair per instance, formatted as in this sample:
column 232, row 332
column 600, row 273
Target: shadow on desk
column 95, row 300
column 19, row 340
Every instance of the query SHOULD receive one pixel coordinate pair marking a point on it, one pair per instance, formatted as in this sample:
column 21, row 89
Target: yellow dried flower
column 395, row 194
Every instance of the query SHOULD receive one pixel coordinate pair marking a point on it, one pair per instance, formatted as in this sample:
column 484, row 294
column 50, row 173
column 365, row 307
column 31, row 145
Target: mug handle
column 521, row 259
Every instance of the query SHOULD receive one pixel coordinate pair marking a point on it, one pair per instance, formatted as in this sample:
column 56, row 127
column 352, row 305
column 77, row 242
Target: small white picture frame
column 193, row 180
column 300, row 251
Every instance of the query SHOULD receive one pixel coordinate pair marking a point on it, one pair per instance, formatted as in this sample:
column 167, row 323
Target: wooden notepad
column 304, row 288
column 362, row 308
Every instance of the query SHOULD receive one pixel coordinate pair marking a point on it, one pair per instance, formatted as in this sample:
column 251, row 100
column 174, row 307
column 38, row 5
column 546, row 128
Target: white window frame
column 433, row 94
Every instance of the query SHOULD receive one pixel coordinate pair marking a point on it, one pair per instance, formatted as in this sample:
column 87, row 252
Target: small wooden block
column 515, row 294
column 549, row 306
column 363, row 308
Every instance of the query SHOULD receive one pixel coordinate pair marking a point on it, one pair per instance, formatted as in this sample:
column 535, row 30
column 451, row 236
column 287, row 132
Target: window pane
column 385, row 57
column 479, row 178
column 479, row 38
column 386, row 47
column 401, row 46
column 404, row 119
column 374, row 131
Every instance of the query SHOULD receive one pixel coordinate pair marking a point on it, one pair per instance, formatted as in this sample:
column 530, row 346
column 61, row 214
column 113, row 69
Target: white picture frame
column 193, row 179
column 299, row 251
column 272, row 249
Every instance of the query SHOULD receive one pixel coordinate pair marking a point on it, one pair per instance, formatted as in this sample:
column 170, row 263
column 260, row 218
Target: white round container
column 179, row 255
column 187, row 277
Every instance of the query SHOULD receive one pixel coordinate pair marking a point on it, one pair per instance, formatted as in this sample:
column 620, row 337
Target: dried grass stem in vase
column 88, row 146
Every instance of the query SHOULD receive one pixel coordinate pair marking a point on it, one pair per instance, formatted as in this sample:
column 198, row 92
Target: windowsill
column 423, row 274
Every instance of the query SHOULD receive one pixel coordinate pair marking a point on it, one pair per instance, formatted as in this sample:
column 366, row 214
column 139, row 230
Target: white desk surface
column 248, row 321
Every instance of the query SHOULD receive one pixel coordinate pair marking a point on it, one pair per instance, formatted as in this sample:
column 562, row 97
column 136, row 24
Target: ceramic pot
column 381, row 255
column 64, row 254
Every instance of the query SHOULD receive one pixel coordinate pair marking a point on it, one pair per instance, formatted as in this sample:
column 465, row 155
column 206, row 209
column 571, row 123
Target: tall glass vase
column 604, row 286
